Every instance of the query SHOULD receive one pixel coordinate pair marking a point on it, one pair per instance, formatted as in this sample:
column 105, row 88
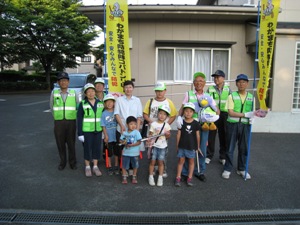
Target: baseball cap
column 62, row 75
column 218, row 73
column 160, row 86
column 164, row 108
column 199, row 74
column 189, row 105
column 109, row 97
column 241, row 77
column 87, row 86
column 99, row 80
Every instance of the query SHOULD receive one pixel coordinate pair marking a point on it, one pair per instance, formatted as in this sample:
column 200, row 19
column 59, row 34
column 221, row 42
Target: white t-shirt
column 155, row 128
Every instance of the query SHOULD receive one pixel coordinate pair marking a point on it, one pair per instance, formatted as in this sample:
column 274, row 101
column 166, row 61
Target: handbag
column 145, row 123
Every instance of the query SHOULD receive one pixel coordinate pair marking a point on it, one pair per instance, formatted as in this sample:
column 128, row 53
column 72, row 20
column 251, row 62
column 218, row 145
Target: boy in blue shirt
column 131, row 139
column 109, row 126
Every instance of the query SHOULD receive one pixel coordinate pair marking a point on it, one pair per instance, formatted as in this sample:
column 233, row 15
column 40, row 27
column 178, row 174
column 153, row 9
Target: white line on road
column 48, row 110
column 2, row 100
column 34, row 103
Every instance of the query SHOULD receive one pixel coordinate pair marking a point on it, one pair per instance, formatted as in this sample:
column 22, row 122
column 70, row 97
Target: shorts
column 184, row 153
column 127, row 160
column 158, row 153
column 111, row 147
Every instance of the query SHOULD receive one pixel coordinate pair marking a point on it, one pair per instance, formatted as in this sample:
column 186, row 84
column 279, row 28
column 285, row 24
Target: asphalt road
column 31, row 181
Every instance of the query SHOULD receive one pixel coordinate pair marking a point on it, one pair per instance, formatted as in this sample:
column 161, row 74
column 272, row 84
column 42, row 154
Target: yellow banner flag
column 117, row 45
column 268, row 22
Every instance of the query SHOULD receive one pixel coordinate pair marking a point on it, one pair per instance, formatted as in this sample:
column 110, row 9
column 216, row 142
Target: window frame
column 211, row 49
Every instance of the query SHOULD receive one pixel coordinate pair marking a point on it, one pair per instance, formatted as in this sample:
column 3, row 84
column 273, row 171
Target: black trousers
column 65, row 134
column 221, row 130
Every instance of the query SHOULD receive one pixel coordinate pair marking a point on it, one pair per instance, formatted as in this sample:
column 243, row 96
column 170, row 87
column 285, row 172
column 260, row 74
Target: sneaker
column 130, row 172
column 88, row 171
column 189, row 182
column 151, row 181
column 96, row 171
column 124, row 180
column 110, row 171
column 134, row 180
column 207, row 160
column 222, row 161
column 160, row 181
column 165, row 175
column 177, row 182
column 201, row 177
column 242, row 173
column 116, row 170
column 226, row 174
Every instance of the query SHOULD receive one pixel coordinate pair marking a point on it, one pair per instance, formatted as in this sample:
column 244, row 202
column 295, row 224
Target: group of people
column 112, row 125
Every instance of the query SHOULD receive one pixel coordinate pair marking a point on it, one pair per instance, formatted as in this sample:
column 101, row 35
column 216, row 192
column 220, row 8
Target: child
column 188, row 140
column 109, row 126
column 160, row 143
column 131, row 139
column 89, row 129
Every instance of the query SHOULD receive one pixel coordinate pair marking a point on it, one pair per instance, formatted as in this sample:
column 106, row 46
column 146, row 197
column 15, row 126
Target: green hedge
column 12, row 80
column 22, row 86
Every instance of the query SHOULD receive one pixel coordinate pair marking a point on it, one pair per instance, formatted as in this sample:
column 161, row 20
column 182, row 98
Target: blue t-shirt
column 131, row 137
column 109, row 121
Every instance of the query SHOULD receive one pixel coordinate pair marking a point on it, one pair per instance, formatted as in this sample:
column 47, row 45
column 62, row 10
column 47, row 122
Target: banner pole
column 254, row 84
column 104, row 48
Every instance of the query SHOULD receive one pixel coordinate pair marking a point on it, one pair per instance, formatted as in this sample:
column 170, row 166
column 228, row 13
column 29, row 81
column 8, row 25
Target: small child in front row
column 160, row 143
column 109, row 127
column 131, row 152
column 188, row 142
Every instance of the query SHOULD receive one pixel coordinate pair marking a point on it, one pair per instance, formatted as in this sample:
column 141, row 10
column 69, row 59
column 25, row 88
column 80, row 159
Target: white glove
column 179, row 122
column 81, row 138
column 251, row 120
column 249, row 115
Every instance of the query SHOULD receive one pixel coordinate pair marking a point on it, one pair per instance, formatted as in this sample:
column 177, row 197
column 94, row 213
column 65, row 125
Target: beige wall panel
column 283, row 78
column 290, row 11
column 163, row 31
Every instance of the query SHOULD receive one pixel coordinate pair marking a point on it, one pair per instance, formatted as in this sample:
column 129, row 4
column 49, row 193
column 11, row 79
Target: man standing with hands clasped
column 219, row 92
column 63, row 104
column 240, row 105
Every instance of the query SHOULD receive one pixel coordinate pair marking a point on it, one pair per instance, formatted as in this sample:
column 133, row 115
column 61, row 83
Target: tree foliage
column 53, row 32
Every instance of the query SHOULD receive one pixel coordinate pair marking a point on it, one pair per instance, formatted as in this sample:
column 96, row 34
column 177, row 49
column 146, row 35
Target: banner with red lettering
column 117, row 45
column 268, row 22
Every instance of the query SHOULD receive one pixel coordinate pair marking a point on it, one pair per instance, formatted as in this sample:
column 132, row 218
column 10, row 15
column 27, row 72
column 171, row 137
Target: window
column 86, row 58
column 296, row 94
column 179, row 64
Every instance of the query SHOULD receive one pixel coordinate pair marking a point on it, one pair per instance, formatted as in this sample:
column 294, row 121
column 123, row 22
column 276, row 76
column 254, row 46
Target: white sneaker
column 222, row 161
column 165, row 175
column 226, row 174
column 151, row 181
column 242, row 173
column 207, row 160
column 160, row 181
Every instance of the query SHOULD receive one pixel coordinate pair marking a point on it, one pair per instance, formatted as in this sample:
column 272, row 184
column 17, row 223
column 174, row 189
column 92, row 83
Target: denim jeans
column 203, row 143
column 237, row 133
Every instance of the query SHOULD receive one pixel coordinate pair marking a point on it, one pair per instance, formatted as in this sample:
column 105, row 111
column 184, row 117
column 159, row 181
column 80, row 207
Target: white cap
column 87, row 86
column 99, row 80
column 109, row 97
column 164, row 108
column 189, row 105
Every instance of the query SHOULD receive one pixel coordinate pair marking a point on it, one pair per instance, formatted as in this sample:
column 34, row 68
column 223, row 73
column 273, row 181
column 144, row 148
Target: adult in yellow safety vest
column 240, row 105
column 193, row 96
column 219, row 92
column 90, row 130
column 63, row 105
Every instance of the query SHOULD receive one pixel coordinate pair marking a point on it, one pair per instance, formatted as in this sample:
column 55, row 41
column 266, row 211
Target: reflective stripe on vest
column 64, row 110
column 241, row 108
column 193, row 99
column 216, row 96
column 91, row 120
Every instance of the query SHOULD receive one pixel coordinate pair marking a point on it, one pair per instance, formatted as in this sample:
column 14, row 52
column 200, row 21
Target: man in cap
column 193, row 96
column 63, row 105
column 219, row 92
column 240, row 105
column 151, row 109
column 99, row 86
